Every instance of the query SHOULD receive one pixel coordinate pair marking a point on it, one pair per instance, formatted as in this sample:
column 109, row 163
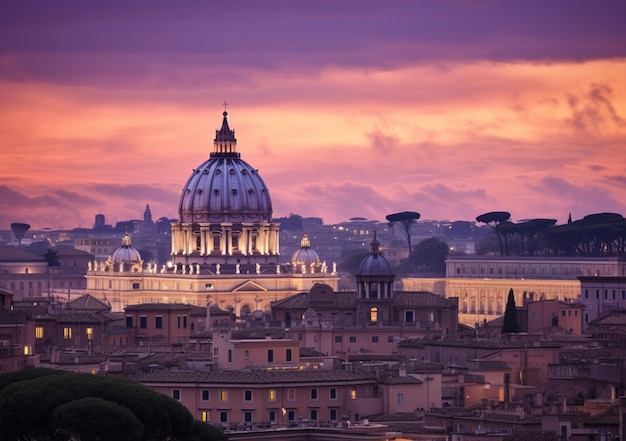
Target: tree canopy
column 509, row 321
column 405, row 220
column 48, row 405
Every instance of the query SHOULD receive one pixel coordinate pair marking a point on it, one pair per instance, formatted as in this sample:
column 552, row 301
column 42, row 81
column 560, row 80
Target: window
column 129, row 321
column 586, row 293
column 135, row 285
column 288, row 355
column 272, row 394
column 235, row 241
column 313, row 414
column 374, row 339
column 333, row 414
column 247, row 416
column 184, row 321
column 230, row 355
column 178, row 320
column 176, row 394
column 223, row 416
column 400, row 398
column 563, row 313
column 158, row 322
column 390, row 339
column 270, row 355
column 247, row 395
column 271, row 416
column 67, row 333
column 89, row 333
column 409, row 316
column 314, row 394
column 333, row 393
column 353, row 394
column 223, row 395
column 337, row 338
column 291, row 394
column 374, row 314
column 216, row 242
column 204, row 416
column 291, row 415
column 143, row 322
column 39, row 332
column 206, row 395
column 353, row 339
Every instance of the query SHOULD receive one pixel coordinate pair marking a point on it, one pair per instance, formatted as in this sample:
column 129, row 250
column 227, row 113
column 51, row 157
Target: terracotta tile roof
column 88, row 302
column 73, row 318
column 158, row 307
column 419, row 298
column 254, row 377
column 532, row 435
column 13, row 254
column 388, row 378
column 610, row 417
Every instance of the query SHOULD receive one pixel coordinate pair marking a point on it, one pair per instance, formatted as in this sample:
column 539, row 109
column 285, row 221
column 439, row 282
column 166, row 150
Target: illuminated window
column 89, row 333
column 26, row 350
column 353, row 394
column 272, row 394
column 374, row 314
column 223, row 395
column 67, row 333
column 39, row 332
column 204, row 416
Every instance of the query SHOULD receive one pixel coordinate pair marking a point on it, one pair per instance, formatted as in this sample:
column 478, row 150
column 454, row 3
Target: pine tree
column 509, row 323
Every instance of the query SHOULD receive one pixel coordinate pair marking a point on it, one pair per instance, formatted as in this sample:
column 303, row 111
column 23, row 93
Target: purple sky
column 347, row 108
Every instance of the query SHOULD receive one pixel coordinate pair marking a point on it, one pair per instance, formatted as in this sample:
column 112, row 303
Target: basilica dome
column 126, row 253
column 375, row 264
column 225, row 188
column 305, row 255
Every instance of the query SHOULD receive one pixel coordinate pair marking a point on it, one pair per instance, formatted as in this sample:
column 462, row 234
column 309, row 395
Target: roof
column 158, row 307
column 348, row 299
column 88, row 302
column 13, row 254
column 261, row 377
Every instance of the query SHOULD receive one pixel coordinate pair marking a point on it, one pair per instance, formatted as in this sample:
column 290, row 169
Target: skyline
column 351, row 109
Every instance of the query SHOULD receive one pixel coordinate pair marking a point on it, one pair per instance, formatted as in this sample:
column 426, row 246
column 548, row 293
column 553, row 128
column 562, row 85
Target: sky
column 347, row 108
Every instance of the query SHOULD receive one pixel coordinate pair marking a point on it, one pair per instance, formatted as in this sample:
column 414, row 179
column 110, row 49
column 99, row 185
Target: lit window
column 204, row 416
column 89, row 333
column 223, row 395
column 26, row 350
column 374, row 314
column 39, row 332
column 353, row 394
column 67, row 333
column 272, row 394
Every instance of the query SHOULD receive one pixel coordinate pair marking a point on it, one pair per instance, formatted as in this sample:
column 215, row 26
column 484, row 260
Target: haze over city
column 352, row 108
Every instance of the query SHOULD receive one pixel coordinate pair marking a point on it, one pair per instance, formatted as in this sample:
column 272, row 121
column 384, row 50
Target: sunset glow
column 350, row 109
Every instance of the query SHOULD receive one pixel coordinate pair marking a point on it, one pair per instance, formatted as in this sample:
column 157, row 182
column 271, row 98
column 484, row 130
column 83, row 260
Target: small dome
column 375, row 264
column 305, row 255
column 126, row 253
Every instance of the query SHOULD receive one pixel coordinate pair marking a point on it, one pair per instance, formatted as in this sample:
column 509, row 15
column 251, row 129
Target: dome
column 225, row 188
column 126, row 253
column 375, row 264
column 305, row 255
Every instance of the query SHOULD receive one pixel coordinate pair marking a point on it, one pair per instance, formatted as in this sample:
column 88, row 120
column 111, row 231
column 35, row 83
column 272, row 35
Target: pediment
column 249, row 286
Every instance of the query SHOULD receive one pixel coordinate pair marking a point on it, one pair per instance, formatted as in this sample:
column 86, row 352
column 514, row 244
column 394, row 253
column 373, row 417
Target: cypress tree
column 509, row 323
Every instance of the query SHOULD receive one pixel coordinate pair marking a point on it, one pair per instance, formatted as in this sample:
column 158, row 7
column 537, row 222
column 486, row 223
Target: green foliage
column 509, row 322
column 430, row 255
column 95, row 419
column 291, row 223
column 42, row 404
column 206, row 432
column 404, row 220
